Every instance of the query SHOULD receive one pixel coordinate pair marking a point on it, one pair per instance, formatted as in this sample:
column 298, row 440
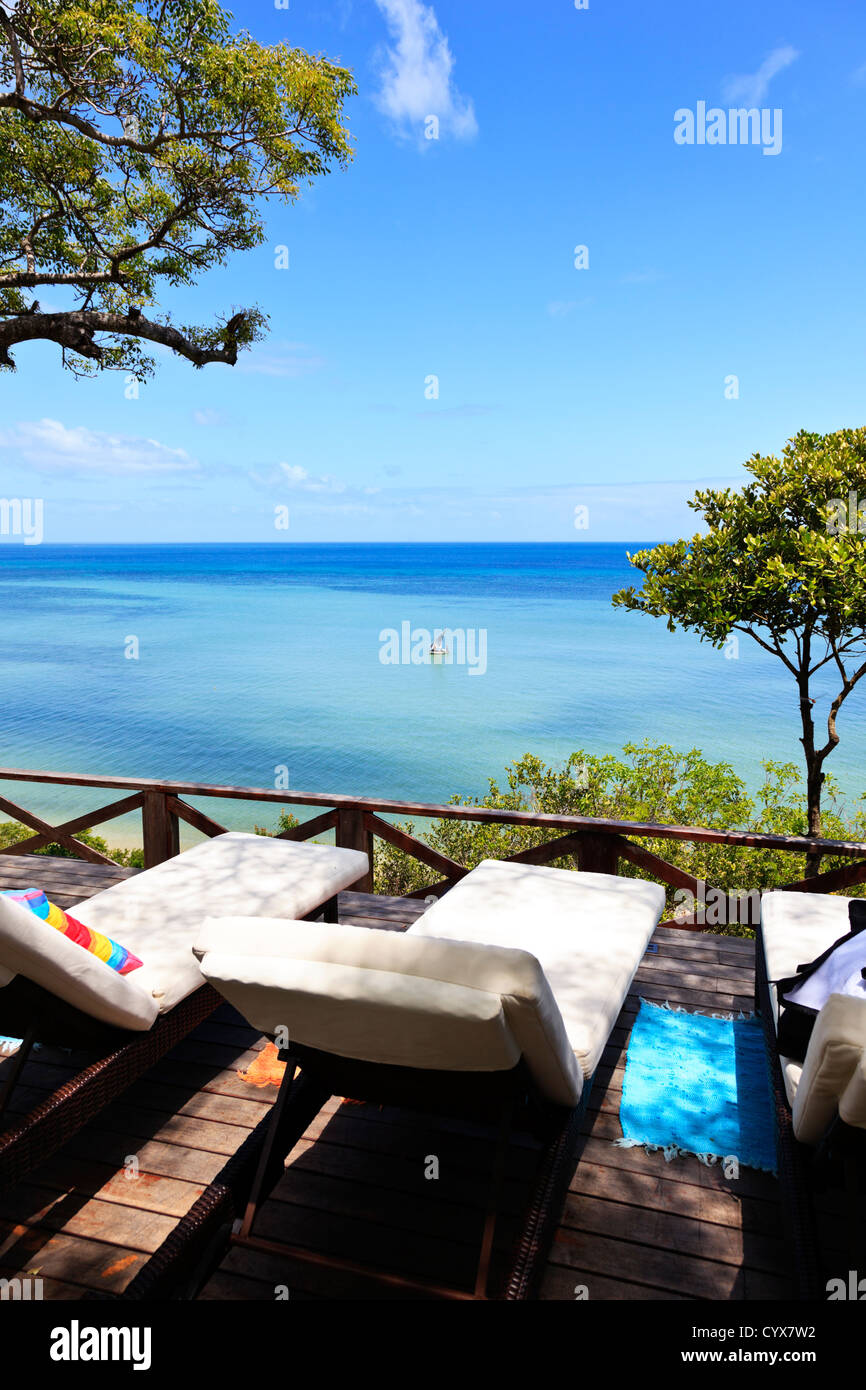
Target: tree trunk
column 814, row 784
column 814, row 775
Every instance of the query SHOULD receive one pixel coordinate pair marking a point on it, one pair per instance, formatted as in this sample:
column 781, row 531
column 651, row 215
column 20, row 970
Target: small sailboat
column 438, row 647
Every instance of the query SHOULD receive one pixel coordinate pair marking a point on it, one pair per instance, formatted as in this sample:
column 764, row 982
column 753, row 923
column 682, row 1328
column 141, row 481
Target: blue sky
column 558, row 387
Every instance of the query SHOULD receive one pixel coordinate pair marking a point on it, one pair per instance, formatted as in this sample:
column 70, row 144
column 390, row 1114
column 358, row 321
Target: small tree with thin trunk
column 139, row 140
column 783, row 561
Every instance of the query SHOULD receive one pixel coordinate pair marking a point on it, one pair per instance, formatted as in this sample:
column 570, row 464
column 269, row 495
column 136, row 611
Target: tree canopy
column 783, row 561
column 139, row 143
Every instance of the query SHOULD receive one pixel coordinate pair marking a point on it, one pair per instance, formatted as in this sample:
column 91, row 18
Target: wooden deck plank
column 397, row 1173
column 394, row 1249
column 138, row 1188
column 563, row 1283
column 74, row 1213
column 65, row 881
column 270, row 1273
column 633, row 1227
column 672, row 1271
column 87, row 1264
column 154, row 1156
column 671, row 1230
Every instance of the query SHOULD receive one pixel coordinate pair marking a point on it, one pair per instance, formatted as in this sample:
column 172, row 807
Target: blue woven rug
column 698, row 1085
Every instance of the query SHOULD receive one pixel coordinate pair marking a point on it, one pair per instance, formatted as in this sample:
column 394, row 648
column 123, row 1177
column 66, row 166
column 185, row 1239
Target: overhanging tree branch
column 138, row 141
column 76, row 332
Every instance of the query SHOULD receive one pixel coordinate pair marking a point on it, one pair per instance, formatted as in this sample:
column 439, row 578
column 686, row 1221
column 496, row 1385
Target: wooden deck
column 634, row 1226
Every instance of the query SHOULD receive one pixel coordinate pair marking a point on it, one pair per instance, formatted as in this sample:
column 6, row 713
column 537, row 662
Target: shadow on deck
column 633, row 1227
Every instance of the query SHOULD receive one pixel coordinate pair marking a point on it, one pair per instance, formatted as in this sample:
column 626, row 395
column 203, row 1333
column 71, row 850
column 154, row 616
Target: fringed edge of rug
column 672, row 1151
column 678, row 1009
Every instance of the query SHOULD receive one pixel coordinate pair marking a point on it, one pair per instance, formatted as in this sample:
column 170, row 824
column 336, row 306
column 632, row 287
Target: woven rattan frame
column 29, row 1141
column 793, row 1158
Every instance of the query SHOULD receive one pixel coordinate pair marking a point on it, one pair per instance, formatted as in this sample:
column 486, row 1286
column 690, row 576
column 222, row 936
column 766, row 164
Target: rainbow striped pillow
column 118, row 957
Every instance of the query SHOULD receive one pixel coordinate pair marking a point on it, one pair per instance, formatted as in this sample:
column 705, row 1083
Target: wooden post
column 598, row 854
column 161, row 829
column 352, row 833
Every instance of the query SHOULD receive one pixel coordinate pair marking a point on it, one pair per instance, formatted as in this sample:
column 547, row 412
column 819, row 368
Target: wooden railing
column 596, row 844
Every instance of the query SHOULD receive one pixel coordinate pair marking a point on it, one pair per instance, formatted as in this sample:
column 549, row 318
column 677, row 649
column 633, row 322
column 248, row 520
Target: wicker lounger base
column 793, row 1160
column 191, row 1253
column 31, row 1140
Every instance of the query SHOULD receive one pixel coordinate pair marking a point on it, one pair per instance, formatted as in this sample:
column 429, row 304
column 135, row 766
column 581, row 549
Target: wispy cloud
column 297, row 479
column 280, row 359
column 858, row 76
column 340, row 12
column 750, row 88
column 638, row 511
column 417, row 72
column 561, row 308
column 207, row 418
column 49, row 446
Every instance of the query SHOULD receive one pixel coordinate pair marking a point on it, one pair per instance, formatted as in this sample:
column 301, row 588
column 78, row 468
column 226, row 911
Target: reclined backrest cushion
column 834, row 1071
column 387, row 997
column 30, row 947
column 114, row 955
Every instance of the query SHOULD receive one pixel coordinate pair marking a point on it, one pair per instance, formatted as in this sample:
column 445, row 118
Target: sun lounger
column 497, row 1003
column 53, row 991
column 820, row 1102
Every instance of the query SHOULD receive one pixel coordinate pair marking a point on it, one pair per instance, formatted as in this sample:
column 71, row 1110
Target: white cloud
column 417, row 72
column 632, row 511
column 280, row 359
column 294, row 472
column 561, row 308
column 209, row 417
column 51, row 447
column 299, row 477
column 751, row 88
column 858, row 76
column 340, row 12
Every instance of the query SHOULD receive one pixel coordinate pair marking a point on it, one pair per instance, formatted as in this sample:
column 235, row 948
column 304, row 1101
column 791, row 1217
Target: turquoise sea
column 254, row 658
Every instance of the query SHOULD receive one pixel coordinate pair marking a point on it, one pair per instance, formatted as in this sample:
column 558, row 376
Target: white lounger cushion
column 798, row 927
column 390, row 997
column 30, row 947
column 834, row 1072
column 589, row 933
column 158, row 914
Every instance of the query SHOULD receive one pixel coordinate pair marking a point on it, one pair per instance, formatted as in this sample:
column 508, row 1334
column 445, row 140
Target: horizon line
column 17, row 544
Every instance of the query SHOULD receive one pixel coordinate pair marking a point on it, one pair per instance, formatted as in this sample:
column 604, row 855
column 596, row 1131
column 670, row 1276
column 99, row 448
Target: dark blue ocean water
column 258, row 657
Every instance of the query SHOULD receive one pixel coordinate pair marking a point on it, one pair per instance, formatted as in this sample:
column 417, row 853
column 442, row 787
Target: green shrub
column 12, row 832
column 286, row 821
column 650, row 783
